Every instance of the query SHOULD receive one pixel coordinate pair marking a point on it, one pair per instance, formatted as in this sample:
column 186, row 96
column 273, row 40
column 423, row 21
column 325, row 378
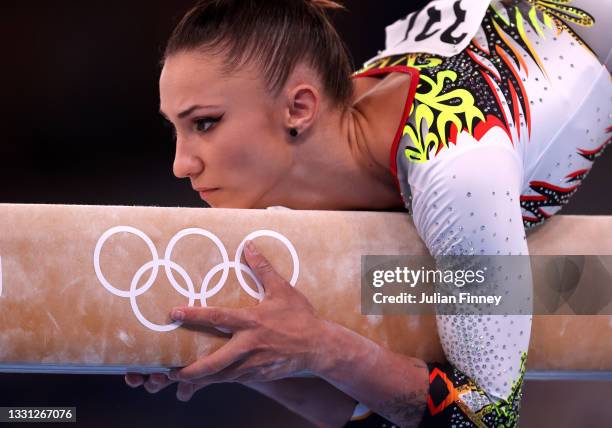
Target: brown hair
column 277, row 34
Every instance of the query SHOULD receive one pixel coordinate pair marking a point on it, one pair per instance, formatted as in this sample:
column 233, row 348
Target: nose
column 186, row 164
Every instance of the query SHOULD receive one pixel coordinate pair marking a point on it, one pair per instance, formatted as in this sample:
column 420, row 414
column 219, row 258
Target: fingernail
column 157, row 378
column 178, row 315
column 131, row 382
column 173, row 375
column 152, row 389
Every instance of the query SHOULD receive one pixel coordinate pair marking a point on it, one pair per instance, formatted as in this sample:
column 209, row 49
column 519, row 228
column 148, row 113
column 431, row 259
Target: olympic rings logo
column 170, row 266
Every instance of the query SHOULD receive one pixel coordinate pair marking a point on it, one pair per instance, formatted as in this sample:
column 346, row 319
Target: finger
column 247, row 370
column 157, row 382
column 213, row 363
column 134, row 380
column 185, row 391
column 231, row 373
column 232, row 318
column 158, row 378
column 263, row 269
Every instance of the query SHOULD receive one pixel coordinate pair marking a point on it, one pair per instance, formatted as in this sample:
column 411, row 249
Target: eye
column 203, row 124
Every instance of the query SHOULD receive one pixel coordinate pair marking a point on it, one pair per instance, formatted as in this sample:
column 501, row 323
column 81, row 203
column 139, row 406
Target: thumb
column 262, row 268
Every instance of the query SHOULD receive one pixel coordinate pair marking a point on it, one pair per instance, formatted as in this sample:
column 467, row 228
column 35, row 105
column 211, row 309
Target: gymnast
column 480, row 119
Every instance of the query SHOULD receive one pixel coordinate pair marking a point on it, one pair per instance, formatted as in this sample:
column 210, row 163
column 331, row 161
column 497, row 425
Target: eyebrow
column 187, row 112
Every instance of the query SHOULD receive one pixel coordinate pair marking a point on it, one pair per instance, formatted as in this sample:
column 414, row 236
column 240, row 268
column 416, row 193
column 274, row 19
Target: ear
column 303, row 104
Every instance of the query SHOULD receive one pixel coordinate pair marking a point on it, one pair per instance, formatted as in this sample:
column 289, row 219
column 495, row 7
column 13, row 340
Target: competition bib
column 443, row 27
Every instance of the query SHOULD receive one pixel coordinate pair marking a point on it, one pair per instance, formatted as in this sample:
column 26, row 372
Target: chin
column 235, row 204
column 240, row 201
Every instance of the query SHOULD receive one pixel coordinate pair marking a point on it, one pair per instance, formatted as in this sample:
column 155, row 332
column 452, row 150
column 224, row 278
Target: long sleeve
column 465, row 200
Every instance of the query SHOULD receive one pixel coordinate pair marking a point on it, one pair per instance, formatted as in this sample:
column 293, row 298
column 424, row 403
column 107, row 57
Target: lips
column 205, row 192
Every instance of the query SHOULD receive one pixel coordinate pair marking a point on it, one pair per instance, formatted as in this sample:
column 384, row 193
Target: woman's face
column 230, row 132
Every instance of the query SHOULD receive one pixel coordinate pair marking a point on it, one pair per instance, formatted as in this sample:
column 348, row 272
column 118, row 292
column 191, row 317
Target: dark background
column 80, row 125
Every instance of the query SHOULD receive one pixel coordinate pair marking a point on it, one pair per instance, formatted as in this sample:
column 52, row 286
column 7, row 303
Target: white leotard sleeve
column 466, row 201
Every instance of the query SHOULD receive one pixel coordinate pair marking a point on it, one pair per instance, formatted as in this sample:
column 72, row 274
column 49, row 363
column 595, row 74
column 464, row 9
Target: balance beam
column 66, row 272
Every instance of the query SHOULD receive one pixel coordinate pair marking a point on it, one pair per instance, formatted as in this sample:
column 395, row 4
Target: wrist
column 339, row 351
column 319, row 349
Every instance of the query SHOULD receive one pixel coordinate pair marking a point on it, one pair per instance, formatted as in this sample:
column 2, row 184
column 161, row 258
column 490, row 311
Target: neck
column 339, row 168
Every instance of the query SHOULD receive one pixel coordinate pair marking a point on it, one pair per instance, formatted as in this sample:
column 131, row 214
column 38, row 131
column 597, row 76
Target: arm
column 466, row 200
column 390, row 384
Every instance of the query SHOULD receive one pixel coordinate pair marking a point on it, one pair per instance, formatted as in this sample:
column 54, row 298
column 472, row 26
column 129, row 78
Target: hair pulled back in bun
column 274, row 34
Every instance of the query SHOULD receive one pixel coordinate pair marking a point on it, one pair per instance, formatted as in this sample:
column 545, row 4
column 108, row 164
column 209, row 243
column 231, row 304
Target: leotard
column 508, row 110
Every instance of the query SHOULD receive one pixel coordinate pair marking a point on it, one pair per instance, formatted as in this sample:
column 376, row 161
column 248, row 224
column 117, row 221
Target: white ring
column 98, row 249
column 169, row 265
column 225, row 265
column 134, row 304
column 205, row 294
column 272, row 234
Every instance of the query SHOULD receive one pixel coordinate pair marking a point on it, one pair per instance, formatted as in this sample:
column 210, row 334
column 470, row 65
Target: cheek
column 253, row 154
column 236, row 158
column 229, row 152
